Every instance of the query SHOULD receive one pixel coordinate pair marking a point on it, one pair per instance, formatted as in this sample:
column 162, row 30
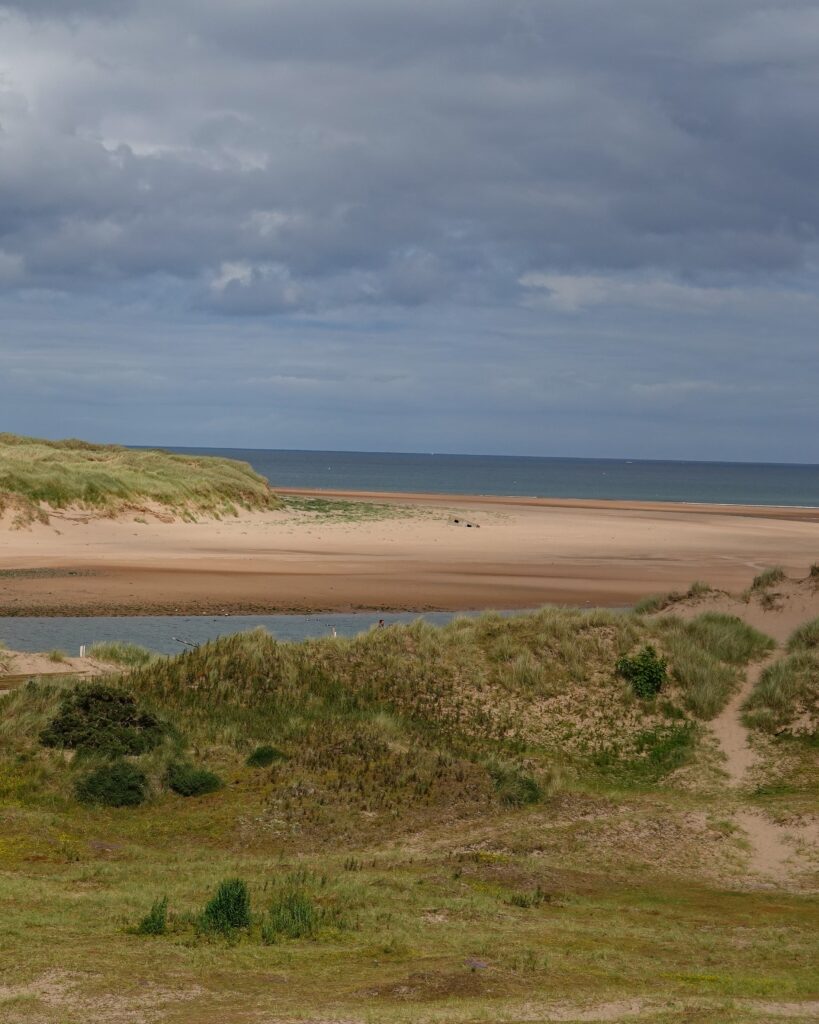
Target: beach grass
column 463, row 824
column 37, row 475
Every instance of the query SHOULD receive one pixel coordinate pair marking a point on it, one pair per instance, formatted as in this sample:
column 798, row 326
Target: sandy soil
column 521, row 553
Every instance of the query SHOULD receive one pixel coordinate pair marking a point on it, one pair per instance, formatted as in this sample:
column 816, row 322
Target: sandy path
column 770, row 852
column 526, row 552
column 732, row 734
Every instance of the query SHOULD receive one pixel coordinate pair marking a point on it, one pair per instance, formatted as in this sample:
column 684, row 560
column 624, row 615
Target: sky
column 537, row 227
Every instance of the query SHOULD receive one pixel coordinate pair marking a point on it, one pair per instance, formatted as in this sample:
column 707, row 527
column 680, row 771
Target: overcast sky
column 547, row 227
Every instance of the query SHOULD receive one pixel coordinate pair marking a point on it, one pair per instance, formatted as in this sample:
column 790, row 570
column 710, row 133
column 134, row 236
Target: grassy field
column 475, row 823
column 36, row 474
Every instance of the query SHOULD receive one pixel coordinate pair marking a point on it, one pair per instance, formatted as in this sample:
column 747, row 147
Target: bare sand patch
column 526, row 552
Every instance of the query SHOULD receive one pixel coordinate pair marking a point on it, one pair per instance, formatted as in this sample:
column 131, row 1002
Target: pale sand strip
column 526, row 552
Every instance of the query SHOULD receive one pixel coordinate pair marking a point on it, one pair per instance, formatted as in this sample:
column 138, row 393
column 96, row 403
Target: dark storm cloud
column 285, row 155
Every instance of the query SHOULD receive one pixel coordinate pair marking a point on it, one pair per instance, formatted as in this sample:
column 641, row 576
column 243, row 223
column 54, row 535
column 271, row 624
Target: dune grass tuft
column 36, row 474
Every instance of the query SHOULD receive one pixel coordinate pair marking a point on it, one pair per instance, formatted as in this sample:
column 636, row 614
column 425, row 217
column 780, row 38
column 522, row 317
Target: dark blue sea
column 719, row 482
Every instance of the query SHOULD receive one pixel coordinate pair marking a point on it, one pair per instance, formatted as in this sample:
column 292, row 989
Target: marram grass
column 36, row 475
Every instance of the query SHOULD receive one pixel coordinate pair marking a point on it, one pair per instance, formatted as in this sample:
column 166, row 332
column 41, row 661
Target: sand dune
column 524, row 552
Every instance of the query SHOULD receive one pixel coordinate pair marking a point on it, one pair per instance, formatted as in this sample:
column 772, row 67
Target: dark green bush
column 103, row 718
column 155, row 921
column 264, row 756
column 645, row 671
column 229, row 909
column 188, row 780
column 118, row 784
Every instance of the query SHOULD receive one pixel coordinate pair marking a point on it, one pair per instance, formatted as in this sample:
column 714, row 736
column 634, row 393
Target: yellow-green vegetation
column 785, row 700
column 464, row 824
column 36, row 475
column 344, row 510
column 118, row 653
column 657, row 602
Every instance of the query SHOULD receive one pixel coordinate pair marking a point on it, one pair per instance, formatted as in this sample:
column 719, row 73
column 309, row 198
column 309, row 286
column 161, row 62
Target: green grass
column 119, row 653
column 342, row 509
column 490, row 793
column 706, row 656
column 657, row 602
column 768, row 578
column 785, row 699
column 36, row 474
column 804, row 637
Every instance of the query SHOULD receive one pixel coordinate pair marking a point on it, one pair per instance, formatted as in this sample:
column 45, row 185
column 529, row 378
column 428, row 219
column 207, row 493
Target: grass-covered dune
column 36, row 475
column 455, row 824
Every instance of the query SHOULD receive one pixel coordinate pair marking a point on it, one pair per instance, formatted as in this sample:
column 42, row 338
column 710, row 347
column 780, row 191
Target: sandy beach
column 395, row 552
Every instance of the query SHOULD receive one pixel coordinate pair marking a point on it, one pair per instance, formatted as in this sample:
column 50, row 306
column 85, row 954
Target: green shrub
column 229, row 909
column 264, row 756
column 103, row 718
column 645, row 671
column 514, row 787
column 118, row 784
column 188, row 780
column 57, row 656
column 155, row 921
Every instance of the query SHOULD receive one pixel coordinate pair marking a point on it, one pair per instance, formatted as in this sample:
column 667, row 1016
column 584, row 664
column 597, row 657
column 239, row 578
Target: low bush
column 188, row 780
column 514, row 787
column 118, row 784
column 646, row 672
column 229, row 909
column 264, row 756
column 656, row 753
column 155, row 921
column 103, row 718
column 57, row 656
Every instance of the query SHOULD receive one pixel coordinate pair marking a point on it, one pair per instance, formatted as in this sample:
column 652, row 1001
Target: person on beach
column 380, row 624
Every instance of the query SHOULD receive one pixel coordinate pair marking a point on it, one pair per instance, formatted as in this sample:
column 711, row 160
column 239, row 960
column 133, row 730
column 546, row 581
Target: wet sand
column 520, row 552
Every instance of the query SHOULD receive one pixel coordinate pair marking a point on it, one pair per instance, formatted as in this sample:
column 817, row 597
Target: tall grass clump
column 705, row 656
column 229, row 908
column 155, row 921
column 785, row 699
column 117, row 652
column 804, row 637
column 515, row 787
column 768, row 578
column 111, row 478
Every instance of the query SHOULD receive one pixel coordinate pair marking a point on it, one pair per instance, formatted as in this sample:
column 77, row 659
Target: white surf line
column 769, row 851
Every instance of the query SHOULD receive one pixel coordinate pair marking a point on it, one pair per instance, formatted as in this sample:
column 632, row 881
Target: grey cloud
column 408, row 153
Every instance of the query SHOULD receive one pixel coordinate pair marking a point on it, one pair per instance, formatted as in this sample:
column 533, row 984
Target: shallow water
column 167, row 634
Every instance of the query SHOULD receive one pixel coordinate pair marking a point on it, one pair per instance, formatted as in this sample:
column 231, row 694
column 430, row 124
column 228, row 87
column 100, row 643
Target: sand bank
column 407, row 553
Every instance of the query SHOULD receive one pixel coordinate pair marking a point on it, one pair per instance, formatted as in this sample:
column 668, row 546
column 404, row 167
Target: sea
column 745, row 483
